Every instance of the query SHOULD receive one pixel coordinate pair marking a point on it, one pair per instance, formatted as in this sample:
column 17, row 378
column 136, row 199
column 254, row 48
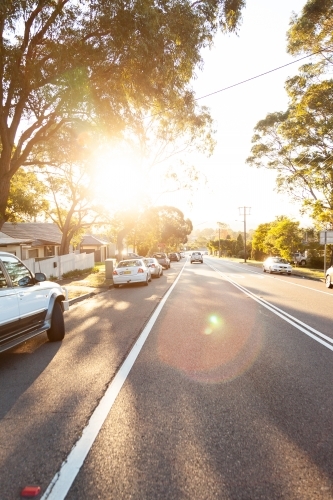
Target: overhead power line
column 257, row 76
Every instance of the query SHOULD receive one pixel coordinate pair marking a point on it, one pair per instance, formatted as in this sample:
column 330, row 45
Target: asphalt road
column 229, row 398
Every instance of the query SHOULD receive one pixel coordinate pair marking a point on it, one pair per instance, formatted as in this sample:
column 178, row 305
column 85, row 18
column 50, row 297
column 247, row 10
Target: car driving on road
column 196, row 257
column 277, row 265
column 29, row 304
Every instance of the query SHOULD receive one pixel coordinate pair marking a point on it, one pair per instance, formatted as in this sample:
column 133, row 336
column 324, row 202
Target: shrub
column 79, row 272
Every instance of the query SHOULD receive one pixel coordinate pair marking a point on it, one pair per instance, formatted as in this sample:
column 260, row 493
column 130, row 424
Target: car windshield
column 159, row 255
column 280, row 260
column 130, row 263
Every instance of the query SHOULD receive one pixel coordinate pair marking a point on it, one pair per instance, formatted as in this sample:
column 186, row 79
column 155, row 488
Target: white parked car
column 277, row 265
column 131, row 271
column 29, row 304
column 329, row 277
column 156, row 270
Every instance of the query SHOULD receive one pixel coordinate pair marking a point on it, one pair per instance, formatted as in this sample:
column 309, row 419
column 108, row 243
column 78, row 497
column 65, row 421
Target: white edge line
column 281, row 315
column 64, row 478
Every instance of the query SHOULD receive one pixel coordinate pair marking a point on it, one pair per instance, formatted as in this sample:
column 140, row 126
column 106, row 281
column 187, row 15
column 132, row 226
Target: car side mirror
column 40, row 277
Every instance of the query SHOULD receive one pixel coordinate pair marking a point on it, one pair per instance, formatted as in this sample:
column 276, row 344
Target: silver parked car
column 277, row 265
column 131, row 271
column 156, row 270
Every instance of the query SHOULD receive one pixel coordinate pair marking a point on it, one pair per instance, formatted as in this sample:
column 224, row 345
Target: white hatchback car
column 131, row 271
column 277, row 265
column 29, row 304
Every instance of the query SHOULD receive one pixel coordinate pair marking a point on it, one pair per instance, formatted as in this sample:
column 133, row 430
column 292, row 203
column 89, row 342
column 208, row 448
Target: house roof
column 8, row 240
column 89, row 240
column 47, row 233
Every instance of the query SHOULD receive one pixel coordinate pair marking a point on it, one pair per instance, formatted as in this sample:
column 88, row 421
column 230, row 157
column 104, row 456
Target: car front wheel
column 328, row 281
column 57, row 330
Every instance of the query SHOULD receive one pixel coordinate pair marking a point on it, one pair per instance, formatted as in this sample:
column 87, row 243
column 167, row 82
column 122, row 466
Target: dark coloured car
column 174, row 257
column 163, row 259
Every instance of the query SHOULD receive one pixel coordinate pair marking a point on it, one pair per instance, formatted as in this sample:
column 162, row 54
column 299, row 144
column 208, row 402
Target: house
column 91, row 244
column 14, row 245
column 30, row 239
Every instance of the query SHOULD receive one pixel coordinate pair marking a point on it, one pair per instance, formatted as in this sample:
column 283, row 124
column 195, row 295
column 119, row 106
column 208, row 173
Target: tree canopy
column 312, row 30
column 281, row 237
column 104, row 60
column 297, row 143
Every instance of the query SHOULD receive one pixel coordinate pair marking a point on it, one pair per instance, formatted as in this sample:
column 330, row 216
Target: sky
column 259, row 47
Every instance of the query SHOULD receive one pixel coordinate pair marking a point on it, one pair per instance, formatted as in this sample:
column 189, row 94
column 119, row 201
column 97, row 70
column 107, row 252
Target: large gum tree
column 113, row 61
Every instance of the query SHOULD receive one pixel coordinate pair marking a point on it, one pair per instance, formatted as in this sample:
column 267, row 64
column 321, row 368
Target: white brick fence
column 57, row 266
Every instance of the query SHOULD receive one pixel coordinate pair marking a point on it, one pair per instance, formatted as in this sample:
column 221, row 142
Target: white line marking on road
column 303, row 327
column 64, row 478
column 268, row 276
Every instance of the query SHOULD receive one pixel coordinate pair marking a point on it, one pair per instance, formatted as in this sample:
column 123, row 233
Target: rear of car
column 131, row 271
column 156, row 270
column 174, row 257
column 196, row 257
column 163, row 259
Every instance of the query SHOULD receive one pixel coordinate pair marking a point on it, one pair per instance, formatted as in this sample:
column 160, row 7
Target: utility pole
column 220, row 224
column 244, row 211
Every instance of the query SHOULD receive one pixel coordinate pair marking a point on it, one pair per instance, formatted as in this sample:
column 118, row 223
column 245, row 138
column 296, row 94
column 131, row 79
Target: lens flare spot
column 208, row 331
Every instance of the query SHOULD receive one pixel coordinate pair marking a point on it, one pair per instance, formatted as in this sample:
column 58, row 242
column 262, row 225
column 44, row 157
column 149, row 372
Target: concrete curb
column 88, row 295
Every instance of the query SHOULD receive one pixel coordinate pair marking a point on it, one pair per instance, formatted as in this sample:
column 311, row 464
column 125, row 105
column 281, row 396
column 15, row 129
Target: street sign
column 326, row 237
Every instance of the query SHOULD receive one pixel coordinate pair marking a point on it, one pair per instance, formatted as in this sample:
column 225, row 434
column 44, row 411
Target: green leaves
column 109, row 61
column 281, row 237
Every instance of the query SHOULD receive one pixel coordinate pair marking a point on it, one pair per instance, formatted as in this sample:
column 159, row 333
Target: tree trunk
column 4, row 194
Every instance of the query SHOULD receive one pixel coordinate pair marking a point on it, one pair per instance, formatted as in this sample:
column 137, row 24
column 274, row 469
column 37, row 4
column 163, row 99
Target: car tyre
column 264, row 269
column 57, row 330
column 146, row 282
column 270, row 270
column 328, row 281
column 116, row 286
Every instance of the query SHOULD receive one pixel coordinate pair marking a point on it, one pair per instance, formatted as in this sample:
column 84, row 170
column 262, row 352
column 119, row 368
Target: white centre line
column 268, row 276
column 303, row 327
column 64, row 478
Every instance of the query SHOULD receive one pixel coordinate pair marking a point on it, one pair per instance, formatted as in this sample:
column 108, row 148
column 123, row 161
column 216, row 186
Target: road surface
column 215, row 381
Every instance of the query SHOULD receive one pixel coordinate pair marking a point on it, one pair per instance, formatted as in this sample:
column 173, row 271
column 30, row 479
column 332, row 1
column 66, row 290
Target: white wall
column 64, row 264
